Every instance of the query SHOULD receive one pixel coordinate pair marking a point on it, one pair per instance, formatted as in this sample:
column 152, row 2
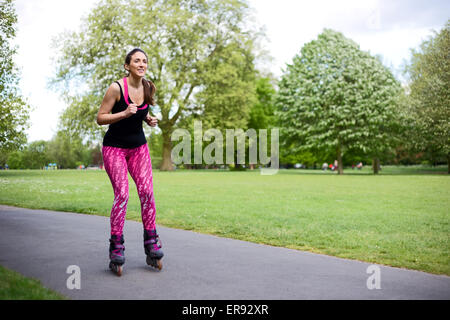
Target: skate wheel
column 159, row 264
column 119, row 271
column 116, row 269
column 154, row 263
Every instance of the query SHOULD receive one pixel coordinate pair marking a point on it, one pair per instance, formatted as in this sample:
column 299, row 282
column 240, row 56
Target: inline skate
column 152, row 246
column 116, row 254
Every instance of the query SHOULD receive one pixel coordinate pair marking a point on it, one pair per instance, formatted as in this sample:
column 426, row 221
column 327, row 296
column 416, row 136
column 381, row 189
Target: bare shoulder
column 114, row 87
column 113, row 91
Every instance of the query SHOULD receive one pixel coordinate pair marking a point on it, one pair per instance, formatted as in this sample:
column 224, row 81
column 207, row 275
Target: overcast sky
column 384, row 27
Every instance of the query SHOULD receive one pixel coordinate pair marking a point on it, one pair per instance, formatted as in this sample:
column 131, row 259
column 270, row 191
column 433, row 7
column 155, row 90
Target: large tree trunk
column 375, row 165
column 166, row 164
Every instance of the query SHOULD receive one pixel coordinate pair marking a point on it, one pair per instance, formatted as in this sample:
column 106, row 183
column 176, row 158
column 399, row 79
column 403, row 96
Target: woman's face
column 138, row 64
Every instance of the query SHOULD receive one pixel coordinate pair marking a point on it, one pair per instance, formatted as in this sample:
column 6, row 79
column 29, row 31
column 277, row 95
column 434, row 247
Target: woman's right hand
column 132, row 109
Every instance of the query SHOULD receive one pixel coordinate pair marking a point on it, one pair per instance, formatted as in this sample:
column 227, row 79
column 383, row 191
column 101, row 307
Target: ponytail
column 149, row 92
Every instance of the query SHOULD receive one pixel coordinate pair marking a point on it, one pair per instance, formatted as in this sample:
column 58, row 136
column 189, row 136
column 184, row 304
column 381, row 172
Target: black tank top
column 126, row 133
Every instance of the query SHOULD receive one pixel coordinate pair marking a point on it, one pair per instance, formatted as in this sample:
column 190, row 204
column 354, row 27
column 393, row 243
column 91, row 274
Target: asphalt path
column 64, row 250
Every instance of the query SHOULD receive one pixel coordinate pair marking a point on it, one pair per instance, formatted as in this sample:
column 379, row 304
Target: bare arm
column 104, row 115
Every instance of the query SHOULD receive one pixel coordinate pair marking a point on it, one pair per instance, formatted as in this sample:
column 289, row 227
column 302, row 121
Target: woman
column 124, row 107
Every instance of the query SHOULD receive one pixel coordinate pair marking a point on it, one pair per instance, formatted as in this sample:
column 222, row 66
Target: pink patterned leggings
column 137, row 161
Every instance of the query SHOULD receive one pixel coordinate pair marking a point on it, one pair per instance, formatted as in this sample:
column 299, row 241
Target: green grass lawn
column 14, row 286
column 398, row 218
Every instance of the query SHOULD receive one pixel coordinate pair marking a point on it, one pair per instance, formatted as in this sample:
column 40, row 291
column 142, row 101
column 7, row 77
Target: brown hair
column 149, row 87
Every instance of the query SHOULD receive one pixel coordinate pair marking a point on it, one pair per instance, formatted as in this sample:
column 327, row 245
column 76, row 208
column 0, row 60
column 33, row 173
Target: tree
column 35, row 155
column 429, row 103
column 67, row 150
column 196, row 49
column 262, row 112
column 15, row 160
column 13, row 109
column 335, row 97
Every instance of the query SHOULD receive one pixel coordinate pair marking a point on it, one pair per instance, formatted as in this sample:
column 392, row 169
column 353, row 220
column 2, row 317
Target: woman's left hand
column 151, row 121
